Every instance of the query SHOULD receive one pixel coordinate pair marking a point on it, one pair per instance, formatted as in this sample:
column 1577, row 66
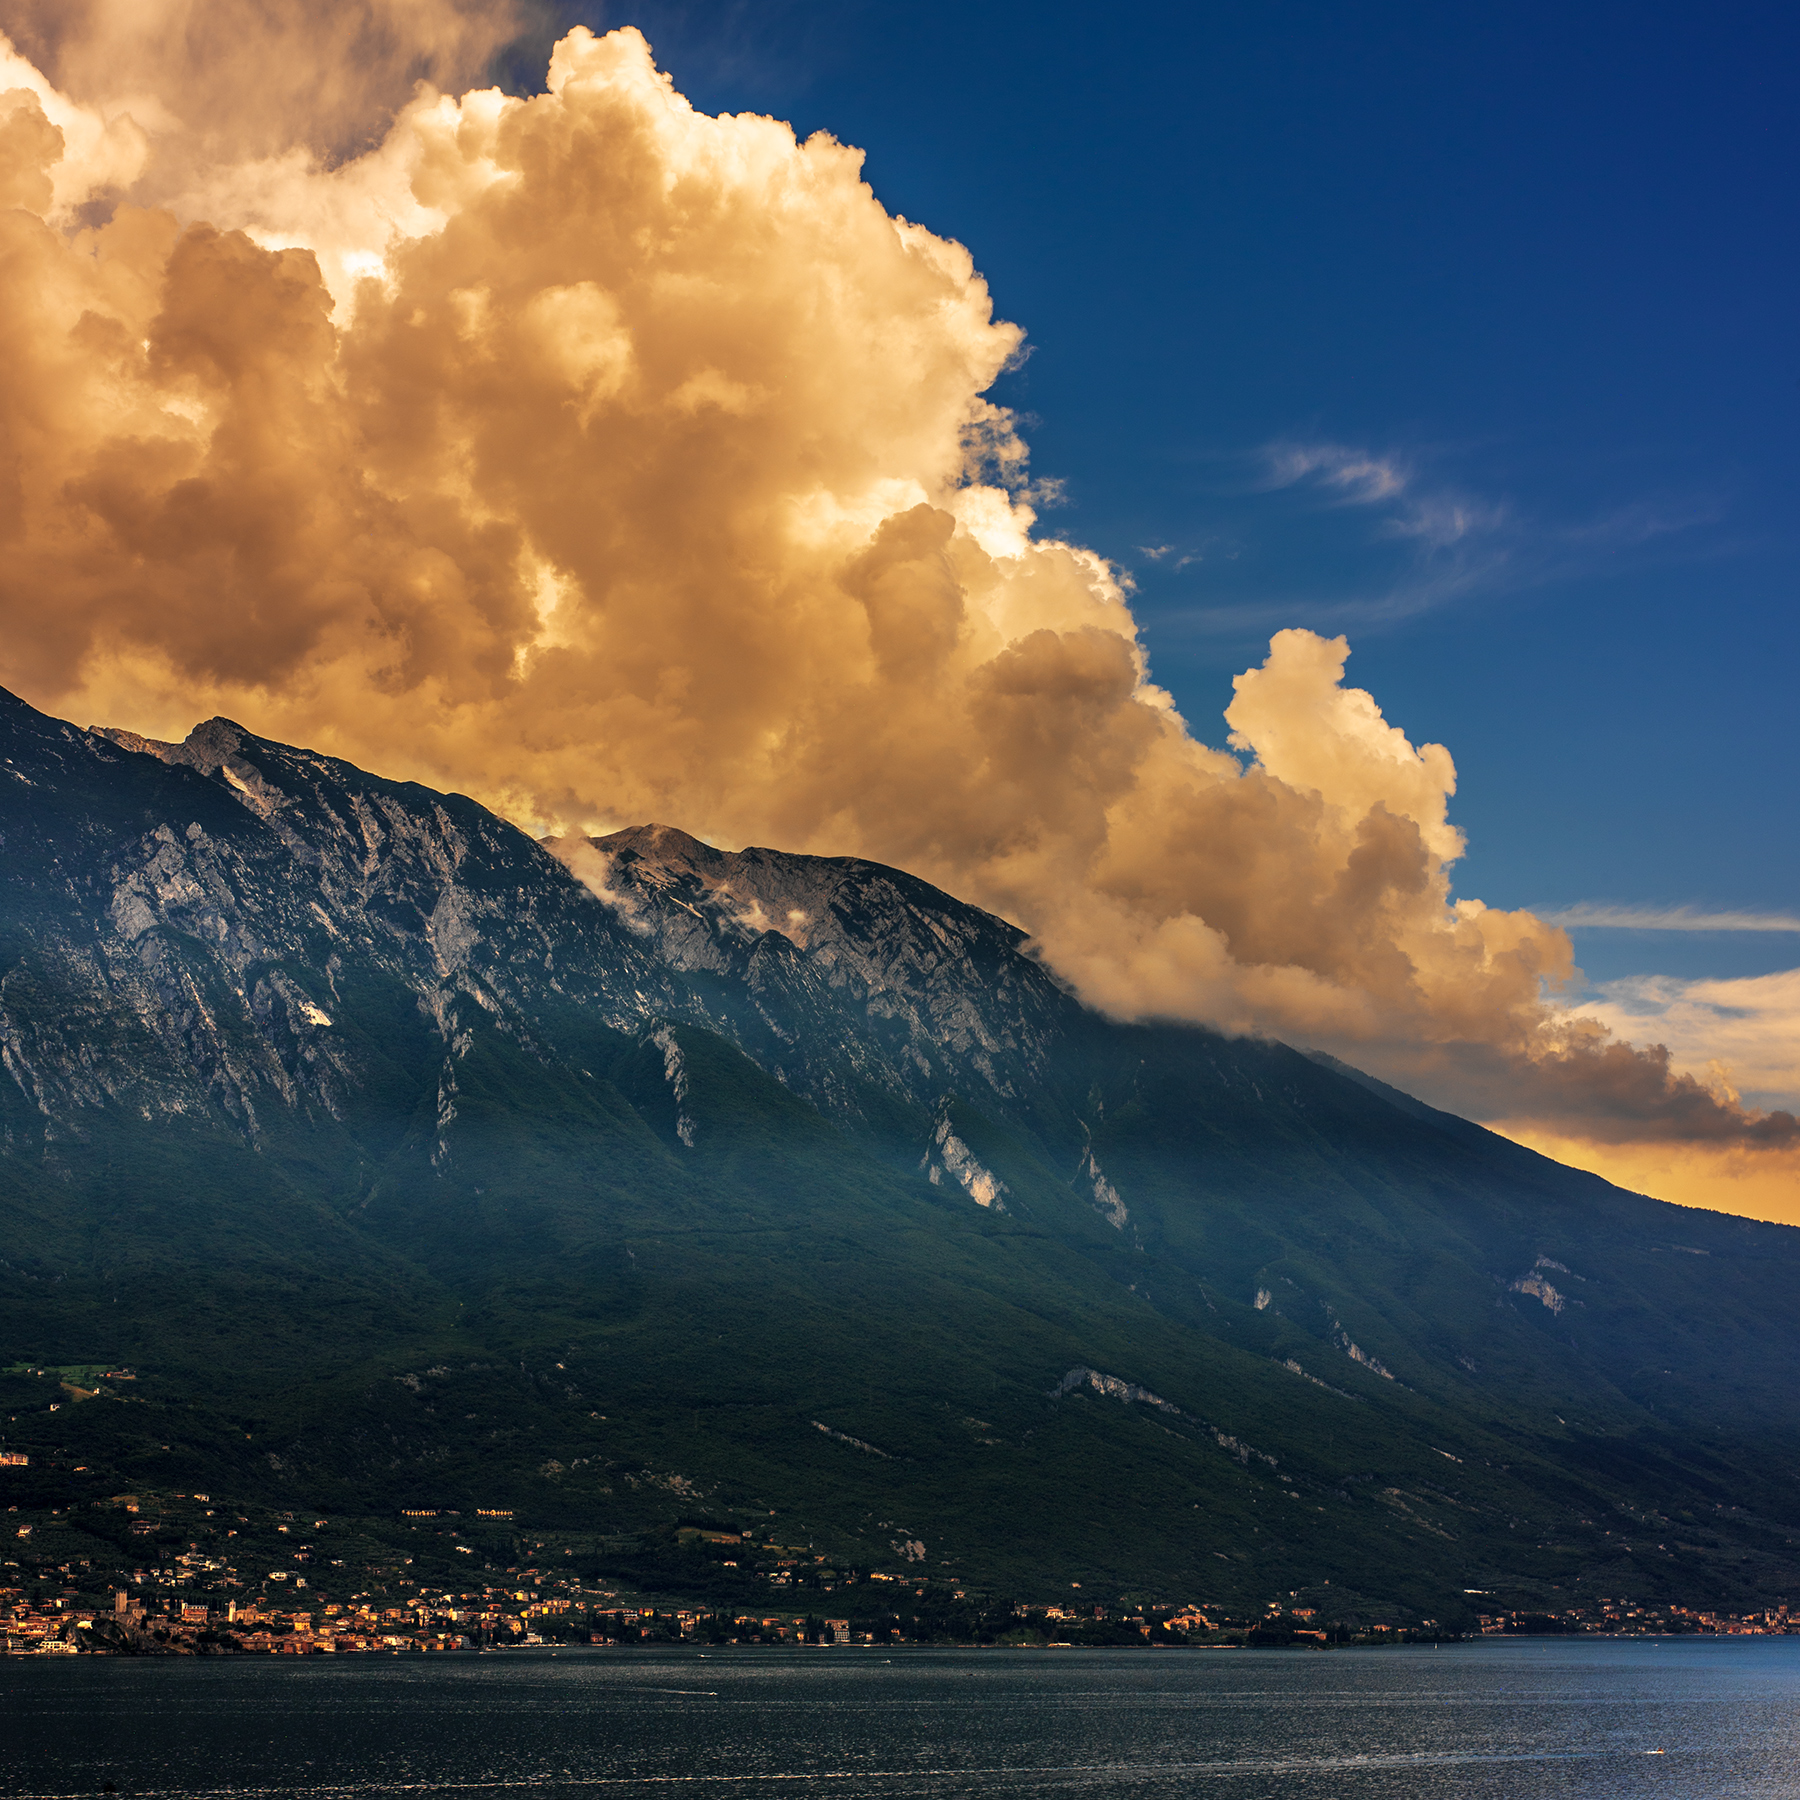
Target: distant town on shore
column 205, row 1595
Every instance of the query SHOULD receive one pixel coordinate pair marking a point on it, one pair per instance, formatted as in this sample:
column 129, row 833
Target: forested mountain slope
column 407, row 1168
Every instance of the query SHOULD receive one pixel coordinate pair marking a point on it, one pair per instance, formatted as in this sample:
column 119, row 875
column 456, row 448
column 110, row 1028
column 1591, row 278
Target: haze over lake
column 1522, row 1719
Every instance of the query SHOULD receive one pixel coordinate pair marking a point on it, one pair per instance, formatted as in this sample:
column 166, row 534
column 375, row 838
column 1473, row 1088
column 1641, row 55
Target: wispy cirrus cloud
column 1641, row 522
column 1422, row 540
column 1358, row 477
column 1430, row 542
column 1176, row 556
column 1433, row 515
column 1601, row 915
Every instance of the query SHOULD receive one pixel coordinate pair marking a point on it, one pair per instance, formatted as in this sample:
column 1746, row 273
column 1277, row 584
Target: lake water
column 1523, row 1720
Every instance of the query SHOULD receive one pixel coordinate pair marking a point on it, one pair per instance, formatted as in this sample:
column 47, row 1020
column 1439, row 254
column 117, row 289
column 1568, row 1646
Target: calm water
column 1519, row 1720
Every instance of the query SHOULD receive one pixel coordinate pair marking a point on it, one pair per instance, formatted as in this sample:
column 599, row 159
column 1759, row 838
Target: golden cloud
column 613, row 462
column 232, row 81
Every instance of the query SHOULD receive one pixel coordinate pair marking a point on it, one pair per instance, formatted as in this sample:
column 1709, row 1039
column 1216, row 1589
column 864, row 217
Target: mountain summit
column 857, row 985
column 619, row 1181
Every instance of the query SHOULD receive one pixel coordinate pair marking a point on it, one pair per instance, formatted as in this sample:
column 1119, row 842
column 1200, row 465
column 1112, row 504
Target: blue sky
column 1465, row 330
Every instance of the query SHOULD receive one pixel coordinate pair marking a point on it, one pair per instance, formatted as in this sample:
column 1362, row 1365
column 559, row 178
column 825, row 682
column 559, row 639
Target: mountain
column 411, row 1163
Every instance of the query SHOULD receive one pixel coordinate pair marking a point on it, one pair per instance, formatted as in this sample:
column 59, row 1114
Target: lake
column 1522, row 1719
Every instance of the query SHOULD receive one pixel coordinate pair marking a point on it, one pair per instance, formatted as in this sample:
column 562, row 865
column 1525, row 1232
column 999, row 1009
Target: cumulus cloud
column 613, row 462
column 240, row 80
column 1745, row 1032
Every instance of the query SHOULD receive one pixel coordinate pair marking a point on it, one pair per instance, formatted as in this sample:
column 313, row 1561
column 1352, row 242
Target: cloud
column 1645, row 521
column 1749, row 1026
column 56, row 154
column 1434, row 519
column 617, row 463
column 1356, row 477
column 593, row 868
column 1425, row 542
column 1594, row 914
column 238, row 80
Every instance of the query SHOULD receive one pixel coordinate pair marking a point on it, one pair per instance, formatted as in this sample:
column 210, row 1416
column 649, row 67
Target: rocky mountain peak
column 667, row 847
column 209, row 747
column 845, row 909
column 848, row 967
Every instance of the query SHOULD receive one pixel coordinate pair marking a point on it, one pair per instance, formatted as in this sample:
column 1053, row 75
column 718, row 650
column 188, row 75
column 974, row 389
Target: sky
column 1464, row 335
column 1537, row 263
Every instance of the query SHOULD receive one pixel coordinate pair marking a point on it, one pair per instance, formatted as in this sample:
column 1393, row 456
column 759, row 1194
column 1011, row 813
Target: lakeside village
column 490, row 1618
column 267, row 1594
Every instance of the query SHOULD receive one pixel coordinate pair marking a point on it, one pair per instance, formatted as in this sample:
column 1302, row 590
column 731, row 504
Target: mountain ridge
column 314, row 1080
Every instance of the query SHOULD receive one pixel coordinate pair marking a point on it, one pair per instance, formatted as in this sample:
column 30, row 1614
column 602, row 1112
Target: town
column 131, row 1623
column 218, row 1581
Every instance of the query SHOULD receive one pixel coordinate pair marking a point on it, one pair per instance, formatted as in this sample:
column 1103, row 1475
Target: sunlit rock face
column 202, row 912
column 210, row 906
column 852, row 982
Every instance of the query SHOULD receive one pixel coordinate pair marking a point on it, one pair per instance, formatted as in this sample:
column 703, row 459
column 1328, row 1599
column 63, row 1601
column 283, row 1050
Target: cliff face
column 859, row 986
column 209, row 923
column 313, row 1081
column 197, row 914
column 205, row 922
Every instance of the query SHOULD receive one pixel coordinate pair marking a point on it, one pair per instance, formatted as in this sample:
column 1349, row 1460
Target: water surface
column 1679, row 1719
